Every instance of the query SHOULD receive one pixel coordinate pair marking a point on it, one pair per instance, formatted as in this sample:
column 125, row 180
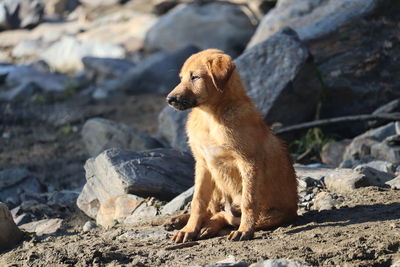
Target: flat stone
column 117, row 208
column 345, row 180
column 178, row 203
column 143, row 212
column 43, row 227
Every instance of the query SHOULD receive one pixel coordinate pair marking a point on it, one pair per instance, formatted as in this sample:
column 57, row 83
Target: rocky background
column 92, row 161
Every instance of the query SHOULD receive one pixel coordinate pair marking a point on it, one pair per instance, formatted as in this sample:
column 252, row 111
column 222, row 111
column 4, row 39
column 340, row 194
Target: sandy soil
column 364, row 232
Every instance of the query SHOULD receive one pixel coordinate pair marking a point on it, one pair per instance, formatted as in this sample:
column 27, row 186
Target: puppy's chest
column 215, row 149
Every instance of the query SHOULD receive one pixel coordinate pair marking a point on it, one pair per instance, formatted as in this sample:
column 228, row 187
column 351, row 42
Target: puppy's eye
column 194, row 78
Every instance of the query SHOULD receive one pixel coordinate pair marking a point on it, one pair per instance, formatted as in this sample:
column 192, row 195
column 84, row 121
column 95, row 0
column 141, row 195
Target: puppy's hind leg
column 216, row 223
column 176, row 222
column 275, row 217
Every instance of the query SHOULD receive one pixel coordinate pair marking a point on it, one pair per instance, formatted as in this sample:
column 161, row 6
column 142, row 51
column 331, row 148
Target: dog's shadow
column 346, row 216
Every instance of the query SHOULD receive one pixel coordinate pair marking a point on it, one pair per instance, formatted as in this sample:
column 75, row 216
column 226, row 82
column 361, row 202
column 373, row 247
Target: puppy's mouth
column 181, row 103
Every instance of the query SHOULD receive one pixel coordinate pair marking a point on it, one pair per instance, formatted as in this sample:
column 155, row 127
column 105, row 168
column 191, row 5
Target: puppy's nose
column 172, row 99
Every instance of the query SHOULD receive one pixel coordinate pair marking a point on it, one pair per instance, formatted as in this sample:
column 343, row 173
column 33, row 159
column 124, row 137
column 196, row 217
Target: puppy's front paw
column 240, row 235
column 184, row 235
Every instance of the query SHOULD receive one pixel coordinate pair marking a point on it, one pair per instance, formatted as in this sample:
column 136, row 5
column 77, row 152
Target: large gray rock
column 23, row 75
column 20, row 92
column 279, row 73
column 346, row 42
column 10, row 235
column 156, row 74
column 214, row 25
column 66, row 54
column 162, row 173
column 100, row 69
column 17, row 185
column 20, row 13
column 311, row 19
column 172, row 126
column 100, row 134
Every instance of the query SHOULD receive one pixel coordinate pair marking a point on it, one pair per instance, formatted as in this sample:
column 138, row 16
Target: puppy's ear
column 220, row 68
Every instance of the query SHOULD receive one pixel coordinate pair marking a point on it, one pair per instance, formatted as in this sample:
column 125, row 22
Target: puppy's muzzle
column 180, row 103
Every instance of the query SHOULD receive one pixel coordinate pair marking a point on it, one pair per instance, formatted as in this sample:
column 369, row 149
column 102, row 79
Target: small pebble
column 89, row 225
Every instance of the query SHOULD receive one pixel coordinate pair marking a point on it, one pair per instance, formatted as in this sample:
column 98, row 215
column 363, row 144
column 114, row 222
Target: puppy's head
column 203, row 79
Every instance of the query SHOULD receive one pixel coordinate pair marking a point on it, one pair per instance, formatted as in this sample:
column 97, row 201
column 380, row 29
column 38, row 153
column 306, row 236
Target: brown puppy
column 244, row 176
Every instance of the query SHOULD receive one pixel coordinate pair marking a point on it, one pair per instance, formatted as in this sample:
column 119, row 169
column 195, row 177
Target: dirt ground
column 365, row 232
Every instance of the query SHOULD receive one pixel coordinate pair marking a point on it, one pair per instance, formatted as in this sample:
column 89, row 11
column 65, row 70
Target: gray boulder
column 17, row 185
column 100, row 134
column 20, row 13
column 213, row 25
column 162, row 173
column 10, row 235
column 172, row 126
column 47, row 82
column 99, row 69
column 311, row 19
column 348, row 56
column 278, row 74
column 66, row 54
column 156, row 74
column 20, row 92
